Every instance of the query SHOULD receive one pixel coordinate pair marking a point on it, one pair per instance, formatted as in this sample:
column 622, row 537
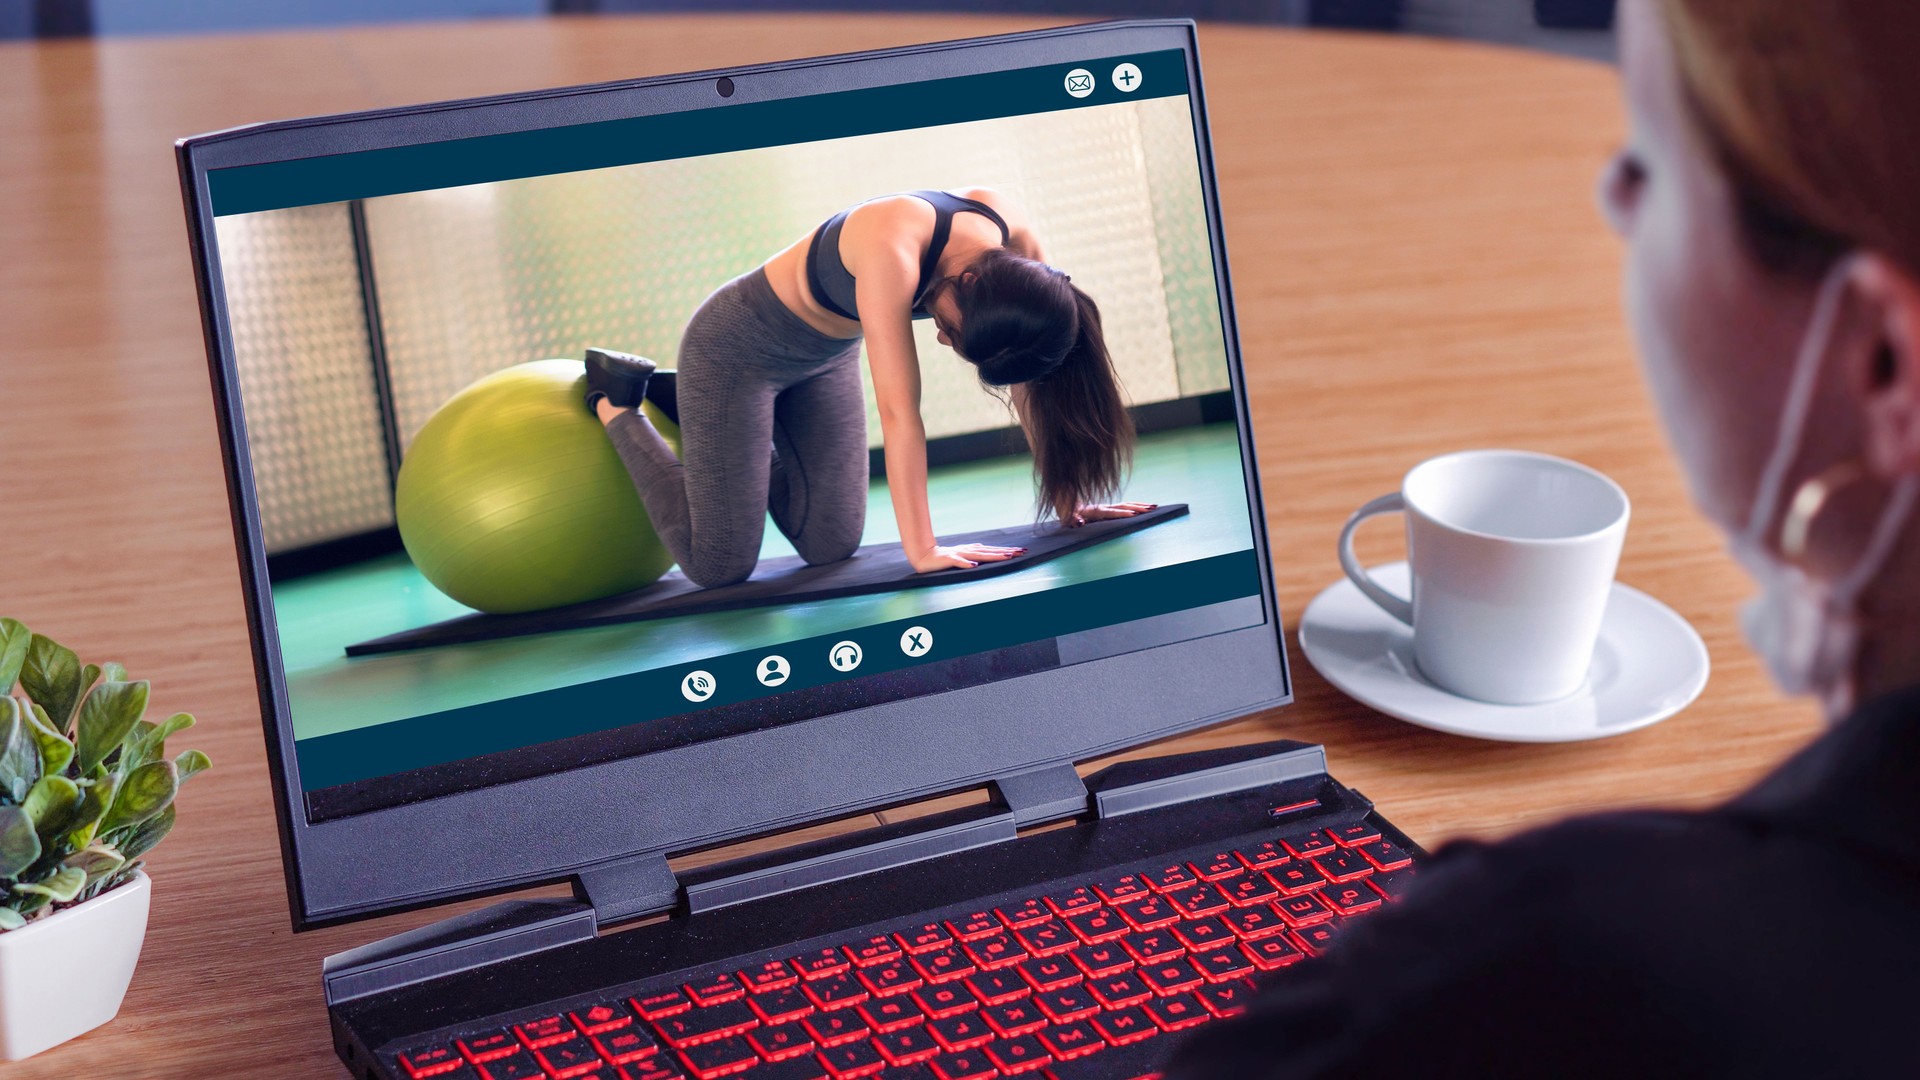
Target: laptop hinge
column 1151, row 783
column 1048, row 793
column 629, row 888
column 462, row 943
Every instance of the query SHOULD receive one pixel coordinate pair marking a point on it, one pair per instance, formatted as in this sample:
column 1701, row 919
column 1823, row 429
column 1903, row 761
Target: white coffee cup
column 1512, row 556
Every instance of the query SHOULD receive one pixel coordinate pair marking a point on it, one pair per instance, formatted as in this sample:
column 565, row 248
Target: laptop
column 398, row 306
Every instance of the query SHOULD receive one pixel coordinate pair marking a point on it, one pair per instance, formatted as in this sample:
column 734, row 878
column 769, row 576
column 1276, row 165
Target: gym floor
column 320, row 615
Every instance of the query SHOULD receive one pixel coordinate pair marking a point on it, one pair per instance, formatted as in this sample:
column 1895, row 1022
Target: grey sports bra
column 832, row 285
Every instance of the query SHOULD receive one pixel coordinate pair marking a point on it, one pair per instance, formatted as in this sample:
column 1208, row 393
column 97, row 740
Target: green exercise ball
column 511, row 497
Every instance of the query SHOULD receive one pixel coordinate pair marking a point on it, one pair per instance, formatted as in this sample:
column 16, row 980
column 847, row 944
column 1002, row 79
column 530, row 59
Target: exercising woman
column 771, row 359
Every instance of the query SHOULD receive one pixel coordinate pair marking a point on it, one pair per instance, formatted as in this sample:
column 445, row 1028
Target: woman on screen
column 772, row 357
column 1769, row 199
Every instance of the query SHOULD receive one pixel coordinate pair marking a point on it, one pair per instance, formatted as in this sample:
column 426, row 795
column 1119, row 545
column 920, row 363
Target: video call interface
column 467, row 582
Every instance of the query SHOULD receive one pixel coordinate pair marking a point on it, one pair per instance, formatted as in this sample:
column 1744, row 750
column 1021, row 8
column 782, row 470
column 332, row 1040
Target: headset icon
column 844, row 656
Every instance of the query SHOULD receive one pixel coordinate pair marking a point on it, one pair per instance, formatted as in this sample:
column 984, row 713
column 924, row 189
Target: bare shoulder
column 1003, row 204
column 885, row 232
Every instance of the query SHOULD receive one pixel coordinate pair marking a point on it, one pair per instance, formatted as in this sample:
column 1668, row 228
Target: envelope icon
column 1076, row 83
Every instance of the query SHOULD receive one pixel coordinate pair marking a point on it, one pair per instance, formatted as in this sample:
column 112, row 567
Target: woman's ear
column 1887, row 376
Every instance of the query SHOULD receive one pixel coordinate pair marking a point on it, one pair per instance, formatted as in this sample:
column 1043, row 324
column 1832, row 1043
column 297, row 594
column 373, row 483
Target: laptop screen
column 895, row 334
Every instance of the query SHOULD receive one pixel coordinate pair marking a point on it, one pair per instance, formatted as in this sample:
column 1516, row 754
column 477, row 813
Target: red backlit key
column 1104, row 959
column 978, row 924
column 1014, row 1017
column 1297, row 877
column 891, row 1014
column 1354, row 834
column 852, row 1059
column 1025, row 913
column 1151, row 913
column 963, row 1032
column 820, row 964
column 1171, row 976
column 598, row 1018
column 943, row 965
column 1343, row 865
column 1253, row 922
column 1274, row 952
column 836, row 992
column 1221, row 864
column 906, row 1046
column 1072, row 1003
column 1264, row 857
column 497, row 1044
column 1177, row 1012
column 1249, row 890
column 923, row 937
column 946, row 1000
column 874, row 950
column 1314, row 939
column 715, row 990
column 1120, row 991
column 1200, row 935
column 1018, row 1055
column 431, row 1061
column 1125, row 1026
column 1307, row 845
column 771, row 975
column 622, row 1045
column 724, row 1058
column 994, row 987
column 1069, row 1041
column 1393, row 885
column 1046, row 973
column 832, row 1029
column 1303, row 910
column 778, row 1006
column 574, row 1057
column 1226, row 999
column 1220, row 965
column 519, row 1066
column 1100, row 924
column 1079, row 899
column 706, row 1025
column 1385, row 854
column 1172, row 876
column 782, row 1042
column 1121, row 890
column 995, row 950
column 661, row 1003
column 1047, row 938
column 889, row 978
column 1149, row 947
column 1203, row 899
column 962, row 1065
column 543, row 1032
column 1351, row 898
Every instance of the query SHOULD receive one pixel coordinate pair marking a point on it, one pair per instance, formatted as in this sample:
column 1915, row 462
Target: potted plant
column 86, row 790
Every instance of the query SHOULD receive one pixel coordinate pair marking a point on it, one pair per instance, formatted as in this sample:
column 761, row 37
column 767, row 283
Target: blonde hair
column 1813, row 109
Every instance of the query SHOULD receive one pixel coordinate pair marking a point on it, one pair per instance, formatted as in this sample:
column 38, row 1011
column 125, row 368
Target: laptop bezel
column 549, row 828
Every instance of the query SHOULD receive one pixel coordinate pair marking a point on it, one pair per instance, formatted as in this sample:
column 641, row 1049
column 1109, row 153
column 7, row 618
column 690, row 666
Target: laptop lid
column 392, row 300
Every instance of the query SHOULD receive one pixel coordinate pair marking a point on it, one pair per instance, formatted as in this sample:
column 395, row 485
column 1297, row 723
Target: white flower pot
column 64, row 975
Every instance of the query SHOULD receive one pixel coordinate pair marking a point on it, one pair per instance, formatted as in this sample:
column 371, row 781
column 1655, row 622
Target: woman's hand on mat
column 960, row 557
column 1111, row 510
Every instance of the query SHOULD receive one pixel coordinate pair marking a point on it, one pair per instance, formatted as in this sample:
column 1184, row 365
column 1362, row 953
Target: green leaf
column 190, row 762
column 54, row 805
column 11, row 919
column 14, row 639
column 112, row 672
column 19, row 753
column 61, row 886
column 51, row 677
column 106, row 717
column 147, row 791
column 55, row 750
column 149, row 741
column 19, row 843
column 97, row 797
column 148, row 833
column 96, row 861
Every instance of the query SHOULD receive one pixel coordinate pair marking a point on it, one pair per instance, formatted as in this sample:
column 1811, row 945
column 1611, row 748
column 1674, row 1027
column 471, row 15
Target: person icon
column 773, row 670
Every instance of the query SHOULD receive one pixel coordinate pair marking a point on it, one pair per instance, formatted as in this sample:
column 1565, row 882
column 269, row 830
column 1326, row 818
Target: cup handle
column 1391, row 604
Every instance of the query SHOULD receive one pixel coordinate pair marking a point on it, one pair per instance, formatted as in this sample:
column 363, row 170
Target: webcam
column 724, row 85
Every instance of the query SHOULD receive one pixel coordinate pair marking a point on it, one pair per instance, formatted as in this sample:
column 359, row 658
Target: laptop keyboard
column 1057, row 986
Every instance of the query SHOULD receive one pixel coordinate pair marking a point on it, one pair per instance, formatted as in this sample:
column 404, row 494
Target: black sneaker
column 619, row 377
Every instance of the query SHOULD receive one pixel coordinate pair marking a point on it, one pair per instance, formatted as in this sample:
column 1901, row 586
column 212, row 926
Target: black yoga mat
column 874, row 568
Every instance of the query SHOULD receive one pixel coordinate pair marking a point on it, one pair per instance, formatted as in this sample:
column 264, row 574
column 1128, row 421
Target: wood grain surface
column 1419, row 267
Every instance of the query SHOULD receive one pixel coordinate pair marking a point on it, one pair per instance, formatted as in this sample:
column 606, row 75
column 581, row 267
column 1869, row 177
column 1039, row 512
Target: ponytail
column 1025, row 324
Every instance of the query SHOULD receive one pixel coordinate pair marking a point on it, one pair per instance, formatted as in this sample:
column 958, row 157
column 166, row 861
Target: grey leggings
column 772, row 419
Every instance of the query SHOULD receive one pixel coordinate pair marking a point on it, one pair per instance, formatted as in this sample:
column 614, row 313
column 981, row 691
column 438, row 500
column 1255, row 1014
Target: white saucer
column 1648, row 665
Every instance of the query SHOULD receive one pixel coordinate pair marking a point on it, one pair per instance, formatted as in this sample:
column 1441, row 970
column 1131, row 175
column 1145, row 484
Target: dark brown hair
column 1024, row 323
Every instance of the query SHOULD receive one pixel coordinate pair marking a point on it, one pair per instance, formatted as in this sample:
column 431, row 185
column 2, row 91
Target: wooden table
column 1420, row 267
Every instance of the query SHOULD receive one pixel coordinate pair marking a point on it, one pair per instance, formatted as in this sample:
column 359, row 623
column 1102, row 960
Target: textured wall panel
column 1186, row 252
column 300, row 343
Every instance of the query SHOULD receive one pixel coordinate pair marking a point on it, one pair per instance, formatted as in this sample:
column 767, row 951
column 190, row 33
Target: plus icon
column 1126, row 78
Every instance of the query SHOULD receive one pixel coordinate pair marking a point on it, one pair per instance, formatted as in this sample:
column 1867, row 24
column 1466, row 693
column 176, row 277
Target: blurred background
column 1576, row 27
